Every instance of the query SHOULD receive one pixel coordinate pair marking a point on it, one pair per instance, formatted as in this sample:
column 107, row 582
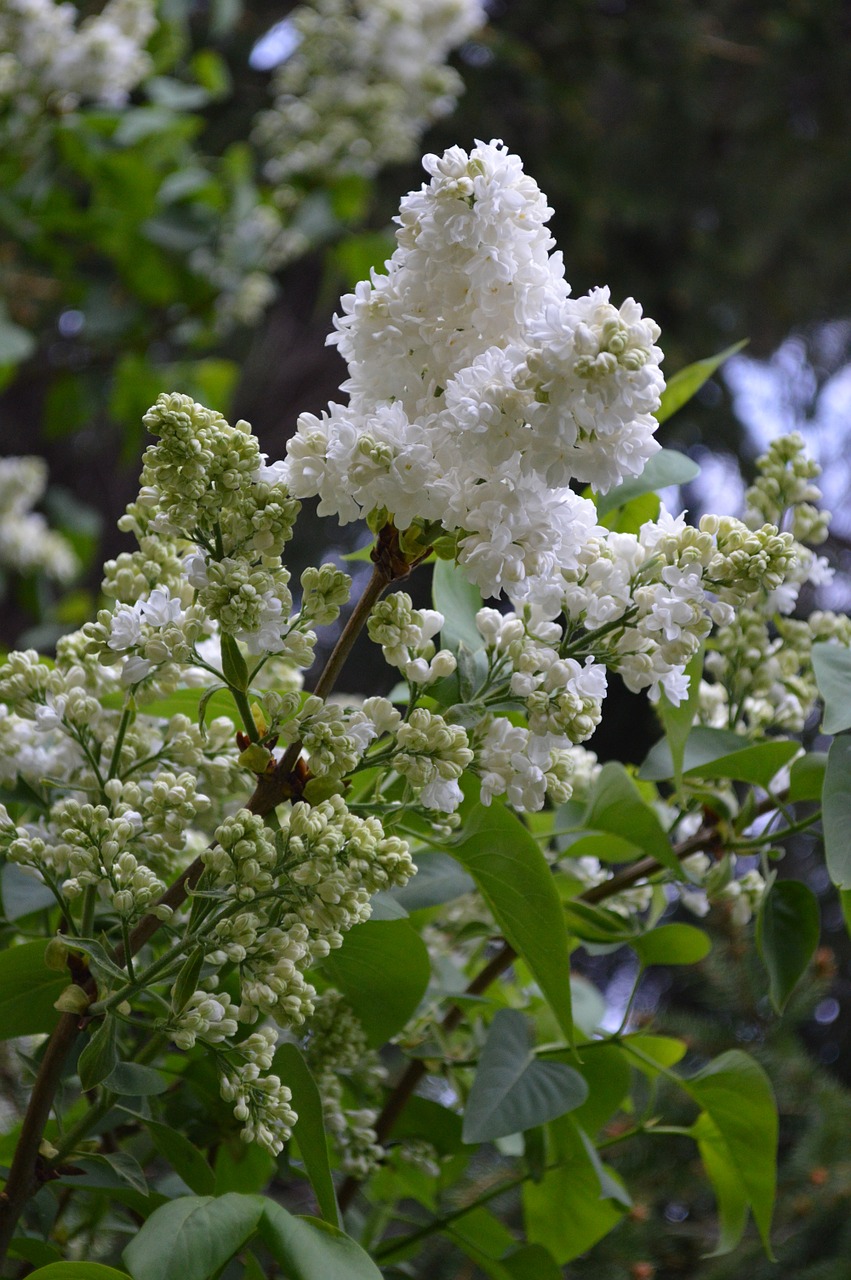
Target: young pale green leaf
column 234, row 666
column 664, row 1051
column 310, row 1131
column 515, row 880
column 806, row 777
column 184, row 702
column 566, row 1212
column 459, row 602
column 718, row 753
column 836, row 811
column 77, row 1271
column 730, row 1194
column 672, row 944
column 635, row 513
column 28, row 990
column 309, row 1249
column 683, row 385
column 615, row 805
column 191, row 1237
column 787, row 933
column 832, row 670
column 736, row 1094
column 665, row 468
column 383, row 970
column 513, row 1091
column 183, row 1156
column 99, row 1055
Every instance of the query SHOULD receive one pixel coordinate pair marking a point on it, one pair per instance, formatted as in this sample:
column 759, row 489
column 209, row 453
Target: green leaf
column 665, row 468
column 383, row 970
column 439, row 879
column 192, row 1237
column 532, row 1262
column 512, row 1090
column 666, row 1051
column 787, row 933
column 718, row 753
column 515, row 880
column 99, row 1055
column 597, row 924
column 77, row 1271
column 672, row 944
column 234, row 666
column 729, row 1191
column 132, row 1079
column 616, row 805
column 308, row 1249
column 310, row 1135
column 184, row 702
column 683, row 385
column 186, row 982
column 600, row 845
column 242, row 1166
column 806, row 777
column 22, row 893
column 736, row 1094
column 832, row 670
column 28, row 990
column 459, row 602
column 836, row 811
column 183, row 1156
column 113, row 1172
column 566, row 1212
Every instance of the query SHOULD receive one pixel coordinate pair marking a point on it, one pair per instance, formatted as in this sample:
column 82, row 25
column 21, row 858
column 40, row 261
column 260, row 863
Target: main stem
column 272, row 789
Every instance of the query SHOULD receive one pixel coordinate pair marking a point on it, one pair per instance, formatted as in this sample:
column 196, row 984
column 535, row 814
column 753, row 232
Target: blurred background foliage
column 695, row 156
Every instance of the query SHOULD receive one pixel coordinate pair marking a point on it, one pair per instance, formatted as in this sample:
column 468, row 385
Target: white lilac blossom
column 27, row 543
column 478, row 389
column 363, row 82
column 760, row 666
column 53, row 57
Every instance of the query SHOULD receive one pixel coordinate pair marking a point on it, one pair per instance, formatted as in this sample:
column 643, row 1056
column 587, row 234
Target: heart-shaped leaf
column 513, row 1090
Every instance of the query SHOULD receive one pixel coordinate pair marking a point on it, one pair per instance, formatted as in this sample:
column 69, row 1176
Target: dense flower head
column 27, row 543
column 49, row 57
column 364, row 80
column 478, row 389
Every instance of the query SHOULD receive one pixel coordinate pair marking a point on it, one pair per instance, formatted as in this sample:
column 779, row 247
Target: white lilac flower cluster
column 48, row 57
column 291, row 895
column 339, row 1057
column 364, row 81
column 211, row 521
column 478, row 389
column 759, row 665
column 27, row 543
